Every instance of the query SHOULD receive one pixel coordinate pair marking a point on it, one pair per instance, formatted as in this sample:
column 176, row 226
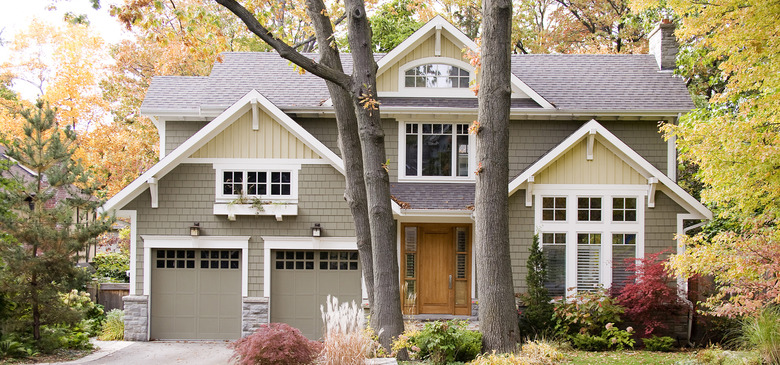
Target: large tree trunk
column 497, row 313
column 349, row 144
column 389, row 322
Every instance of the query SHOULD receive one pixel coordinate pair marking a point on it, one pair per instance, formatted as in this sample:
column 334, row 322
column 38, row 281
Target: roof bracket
column 255, row 116
column 153, row 191
column 652, row 182
column 591, row 138
column 529, row 190
column 437, row 49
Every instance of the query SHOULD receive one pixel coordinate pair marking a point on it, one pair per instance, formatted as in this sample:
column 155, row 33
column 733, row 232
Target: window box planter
column 278, row 210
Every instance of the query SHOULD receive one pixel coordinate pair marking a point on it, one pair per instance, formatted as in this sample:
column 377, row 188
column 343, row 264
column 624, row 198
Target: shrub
column 441, row 342
column 535, row 319
column 655, row 343
column 275, row 344
column 14, row 349
column 611, row 338
column 59, row 336
column 542, row 352
column 346, row 341
column 762, row 333
column 586, row 313
column 112, row 267
column 718, row 356
column 648, row 297
column 502, row 359
column 114, row 326
column 589, row 342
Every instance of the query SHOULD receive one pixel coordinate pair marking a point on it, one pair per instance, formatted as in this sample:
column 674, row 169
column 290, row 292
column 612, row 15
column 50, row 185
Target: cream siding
column 574, row 168
column 271, row 140
column 387, row 81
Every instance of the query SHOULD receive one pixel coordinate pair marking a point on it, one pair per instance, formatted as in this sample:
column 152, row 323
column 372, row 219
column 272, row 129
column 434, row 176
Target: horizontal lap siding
column 186, row 195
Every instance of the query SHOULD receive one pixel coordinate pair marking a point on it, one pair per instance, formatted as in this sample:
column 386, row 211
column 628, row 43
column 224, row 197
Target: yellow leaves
column 367, row 100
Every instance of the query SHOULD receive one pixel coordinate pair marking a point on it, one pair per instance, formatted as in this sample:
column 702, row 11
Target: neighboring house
column 250, row 162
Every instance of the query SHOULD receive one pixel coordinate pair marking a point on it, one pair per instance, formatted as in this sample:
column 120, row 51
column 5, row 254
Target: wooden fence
column 109, row 294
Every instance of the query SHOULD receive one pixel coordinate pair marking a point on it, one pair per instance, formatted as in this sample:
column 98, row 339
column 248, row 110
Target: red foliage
column 648, row 298
column 275, row 344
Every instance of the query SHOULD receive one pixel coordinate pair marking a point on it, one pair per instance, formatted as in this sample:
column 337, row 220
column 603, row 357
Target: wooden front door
column 436, row 272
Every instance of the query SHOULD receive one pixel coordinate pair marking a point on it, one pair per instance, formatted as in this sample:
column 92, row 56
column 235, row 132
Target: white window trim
column 304, row 243
column 404, row 91
column 606, row 227
column 438, row 179
column 201, row 242
column 293, row 169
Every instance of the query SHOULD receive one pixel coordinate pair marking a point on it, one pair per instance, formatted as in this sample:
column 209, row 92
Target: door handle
column 450, row 282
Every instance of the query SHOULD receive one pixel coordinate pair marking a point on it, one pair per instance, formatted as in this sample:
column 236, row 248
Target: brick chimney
column 663, row 45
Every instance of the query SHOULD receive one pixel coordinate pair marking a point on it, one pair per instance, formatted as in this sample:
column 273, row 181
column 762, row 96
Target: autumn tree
column 497, row 313
column 360, row 87
column 50, row 220
column 733, row 139
column 393, row 23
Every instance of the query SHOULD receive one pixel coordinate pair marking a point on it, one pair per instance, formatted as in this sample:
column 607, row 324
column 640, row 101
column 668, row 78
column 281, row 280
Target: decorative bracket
column 652, row 182
column 153, row 191
column 255, row 116
column 437, row 49
column 591, row 138
column 529, row 190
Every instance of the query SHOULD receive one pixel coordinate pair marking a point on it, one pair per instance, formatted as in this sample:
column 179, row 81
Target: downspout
column 687, row 301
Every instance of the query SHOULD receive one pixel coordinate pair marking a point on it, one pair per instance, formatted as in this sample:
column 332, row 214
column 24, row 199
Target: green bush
column 112, row 267
column 589, row 342
column 114, row 326
column 442, row 342
column 59, row 337
column 655, row 343
column 534, row 320
column 587, row 313
column 14, row 349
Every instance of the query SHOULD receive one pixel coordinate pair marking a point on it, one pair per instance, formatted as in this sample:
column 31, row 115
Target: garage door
column 302, row 280
column 196, row 294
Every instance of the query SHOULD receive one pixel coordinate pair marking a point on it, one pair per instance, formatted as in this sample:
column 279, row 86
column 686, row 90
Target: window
column 437, row 149
column 589, row 209
column 623, row 250
column 588, row 261
column 554, row 249
column 554, row 208
column 434, row 75
column 624, row 209
column 257, row 183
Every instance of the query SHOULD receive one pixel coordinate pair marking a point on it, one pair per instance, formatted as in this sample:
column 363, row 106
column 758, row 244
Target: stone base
column 474, row 308
column 136, row 317
column 254, row 313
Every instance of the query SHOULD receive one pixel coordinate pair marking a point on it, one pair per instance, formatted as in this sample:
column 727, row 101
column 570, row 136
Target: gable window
column 437, row 149
column 554, row 208
column 436, row 75
column 624, row 209
column 256, row 183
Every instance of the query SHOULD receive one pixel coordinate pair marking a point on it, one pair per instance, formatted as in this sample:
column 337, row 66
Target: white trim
column 401, row 172
column 303, row 243
column 434, row 216
column 220, row 168
column 201, row 242
column 433, row 92
column 257, row 161
column 161, row 126
column 211, row 130
column 671, row 158
column 682, row 284
column 628, row 155
column 132, row 215
column 153, row 191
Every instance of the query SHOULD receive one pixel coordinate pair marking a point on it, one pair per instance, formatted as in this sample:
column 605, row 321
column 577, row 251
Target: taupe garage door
column 196, row 294
column 302, row 280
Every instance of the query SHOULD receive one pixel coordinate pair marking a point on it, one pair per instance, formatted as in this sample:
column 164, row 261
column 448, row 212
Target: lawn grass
column 627, row 357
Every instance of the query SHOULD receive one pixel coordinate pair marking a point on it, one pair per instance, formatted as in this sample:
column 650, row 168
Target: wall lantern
column 195, row 230
column 316, row 230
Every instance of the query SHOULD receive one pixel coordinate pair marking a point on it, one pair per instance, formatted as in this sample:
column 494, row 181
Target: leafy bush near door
column 275, row 344
column 441, row 342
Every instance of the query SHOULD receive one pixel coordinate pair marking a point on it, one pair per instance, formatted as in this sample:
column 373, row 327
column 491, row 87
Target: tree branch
column 313, row 37
column 284, row 49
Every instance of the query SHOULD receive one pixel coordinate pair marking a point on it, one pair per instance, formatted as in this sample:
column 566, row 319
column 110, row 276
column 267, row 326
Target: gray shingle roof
column 570, row 82
column 433, row 195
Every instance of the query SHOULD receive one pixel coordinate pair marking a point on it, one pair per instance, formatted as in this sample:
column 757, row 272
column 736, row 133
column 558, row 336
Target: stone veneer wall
column 254, row 313
column 136, row 318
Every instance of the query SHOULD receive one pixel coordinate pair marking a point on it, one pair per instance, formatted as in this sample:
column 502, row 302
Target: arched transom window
column 437, row 75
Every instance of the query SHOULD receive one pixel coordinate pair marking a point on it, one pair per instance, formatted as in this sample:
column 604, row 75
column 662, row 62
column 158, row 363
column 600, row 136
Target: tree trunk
column 389, row 322
column 497, row 312
column 349, row 144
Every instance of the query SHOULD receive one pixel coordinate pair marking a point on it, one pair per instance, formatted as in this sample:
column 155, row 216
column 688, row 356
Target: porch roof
column 442, row 196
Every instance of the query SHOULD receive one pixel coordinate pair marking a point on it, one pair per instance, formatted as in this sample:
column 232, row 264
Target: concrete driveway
column 158, row 352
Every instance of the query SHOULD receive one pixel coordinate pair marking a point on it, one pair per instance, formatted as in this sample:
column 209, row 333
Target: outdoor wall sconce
column 316, row 230
column 195, row 230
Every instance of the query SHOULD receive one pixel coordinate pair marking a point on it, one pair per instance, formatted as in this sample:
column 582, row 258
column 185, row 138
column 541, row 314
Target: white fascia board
column 429, row 213
column 527, row 90
column 644, row 167
column 211, row 130
column 515, row 112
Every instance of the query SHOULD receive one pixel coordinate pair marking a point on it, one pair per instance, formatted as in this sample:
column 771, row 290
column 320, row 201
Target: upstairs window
column 436, row 75
column 257, row 183
column 437, row 149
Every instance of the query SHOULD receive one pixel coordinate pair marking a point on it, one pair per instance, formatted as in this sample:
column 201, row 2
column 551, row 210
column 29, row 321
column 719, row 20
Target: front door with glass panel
column 436, row 269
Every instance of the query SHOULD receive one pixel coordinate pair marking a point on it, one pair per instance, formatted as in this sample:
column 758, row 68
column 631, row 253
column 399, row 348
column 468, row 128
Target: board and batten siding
column 271, row 140
column 387, row 81
column 604, row 168
column 186, row 195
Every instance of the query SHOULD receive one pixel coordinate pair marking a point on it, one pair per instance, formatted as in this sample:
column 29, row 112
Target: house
column 243, row 220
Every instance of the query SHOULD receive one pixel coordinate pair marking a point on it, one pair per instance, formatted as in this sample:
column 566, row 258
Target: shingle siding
column 661, row 225
column 186, row 195
column 177, row 131
column 324, row 129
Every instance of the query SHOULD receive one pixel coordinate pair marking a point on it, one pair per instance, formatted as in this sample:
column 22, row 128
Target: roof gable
column 621, row 151
column 573, row 167
column 208, row 133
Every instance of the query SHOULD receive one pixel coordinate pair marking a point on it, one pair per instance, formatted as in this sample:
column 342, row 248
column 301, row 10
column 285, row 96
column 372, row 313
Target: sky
column 16, row 15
